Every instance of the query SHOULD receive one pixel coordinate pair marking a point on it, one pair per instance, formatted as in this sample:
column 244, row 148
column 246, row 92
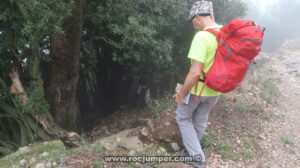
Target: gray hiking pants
column 192, row 120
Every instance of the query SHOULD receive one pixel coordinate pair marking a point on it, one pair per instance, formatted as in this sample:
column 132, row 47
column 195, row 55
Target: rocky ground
column 281, row 145
column 256, row 126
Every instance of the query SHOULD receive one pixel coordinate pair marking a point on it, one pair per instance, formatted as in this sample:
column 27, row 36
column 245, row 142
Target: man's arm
column 191, row 79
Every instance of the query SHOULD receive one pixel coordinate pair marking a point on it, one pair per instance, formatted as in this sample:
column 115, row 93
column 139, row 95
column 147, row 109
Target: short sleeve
column 199, row 47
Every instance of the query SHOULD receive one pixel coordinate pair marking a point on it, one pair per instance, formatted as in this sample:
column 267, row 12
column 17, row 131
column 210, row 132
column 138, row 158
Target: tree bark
column 64, row 70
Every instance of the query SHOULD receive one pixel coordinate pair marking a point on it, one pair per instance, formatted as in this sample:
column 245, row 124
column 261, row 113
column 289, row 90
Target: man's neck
column 208, row 22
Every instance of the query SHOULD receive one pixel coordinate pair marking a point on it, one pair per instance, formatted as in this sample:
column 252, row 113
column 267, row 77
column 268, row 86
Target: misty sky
column 280, row 17
column 264, row 8
column 263, row 5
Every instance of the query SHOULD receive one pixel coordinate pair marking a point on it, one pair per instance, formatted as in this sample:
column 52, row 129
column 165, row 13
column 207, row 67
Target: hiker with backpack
column 220, row 57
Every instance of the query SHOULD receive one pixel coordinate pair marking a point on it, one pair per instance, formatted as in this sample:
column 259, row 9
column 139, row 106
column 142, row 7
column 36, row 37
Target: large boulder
column 126, row 139
column 164, row 128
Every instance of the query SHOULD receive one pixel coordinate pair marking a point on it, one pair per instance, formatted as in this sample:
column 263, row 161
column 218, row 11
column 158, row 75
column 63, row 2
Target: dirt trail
column 276, row 153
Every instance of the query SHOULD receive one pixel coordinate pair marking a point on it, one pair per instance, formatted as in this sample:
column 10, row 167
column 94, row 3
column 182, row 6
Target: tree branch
column 109, row 42
column 18, row 89
column 23, row 11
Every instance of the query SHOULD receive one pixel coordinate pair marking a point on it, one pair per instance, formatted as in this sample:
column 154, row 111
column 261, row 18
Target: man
column 192, row 118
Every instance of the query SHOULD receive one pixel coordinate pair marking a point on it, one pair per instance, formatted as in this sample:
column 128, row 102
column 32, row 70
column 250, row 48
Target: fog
column 281, row 18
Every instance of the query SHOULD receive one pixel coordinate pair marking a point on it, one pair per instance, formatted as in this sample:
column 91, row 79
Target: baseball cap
column 200, row 8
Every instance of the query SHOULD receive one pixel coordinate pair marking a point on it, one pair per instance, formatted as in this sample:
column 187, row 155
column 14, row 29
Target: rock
column 44, row 154
column 32, row 160
column 145, row 132
column 164, row 128
column 218, row 156
column 48, row 165
column 71, row 139
column 167, row 124
column 175, row 146
column 54, row 164
column 109, row 147
column 131, row 143
column 23, row 149
column 262, row 137
column 162, row 149
column 63, row 160
column 15, row 166
column 23, row 162
column 238, row 142
column 125, row 139
column 131, row 153
column 40, row 165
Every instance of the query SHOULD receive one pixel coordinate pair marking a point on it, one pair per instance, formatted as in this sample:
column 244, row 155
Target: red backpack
column 239, row 42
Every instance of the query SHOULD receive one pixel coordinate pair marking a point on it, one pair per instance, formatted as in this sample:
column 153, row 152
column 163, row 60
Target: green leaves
column 140, row 33
column 226, row 10
column 149, row 37
column 28, row 23
column 42, row 18
column 16, row 128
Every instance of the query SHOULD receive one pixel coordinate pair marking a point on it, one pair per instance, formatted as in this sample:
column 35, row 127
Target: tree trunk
column 64, row 70
column 70, row 139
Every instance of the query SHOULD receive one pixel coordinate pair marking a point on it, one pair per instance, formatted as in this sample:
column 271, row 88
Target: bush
column 157, row 106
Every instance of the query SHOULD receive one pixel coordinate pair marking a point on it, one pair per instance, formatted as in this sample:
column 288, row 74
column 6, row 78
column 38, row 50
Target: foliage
column 16, row 128
column 97, row 163
column 56, row 149
column 286, row 141
column 226, row 10
column 157, row 106
column 24, row 26
column 208, row 141
column 271, row 91
column 148, row 37
column 241, row 107
column 139, row 36
column 24, row 29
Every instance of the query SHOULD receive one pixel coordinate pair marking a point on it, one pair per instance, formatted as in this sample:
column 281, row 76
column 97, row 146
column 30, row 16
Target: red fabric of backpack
column 239, row 42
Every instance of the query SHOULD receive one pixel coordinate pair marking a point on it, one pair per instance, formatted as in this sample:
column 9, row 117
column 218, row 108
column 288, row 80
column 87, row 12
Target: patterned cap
column 202, row 7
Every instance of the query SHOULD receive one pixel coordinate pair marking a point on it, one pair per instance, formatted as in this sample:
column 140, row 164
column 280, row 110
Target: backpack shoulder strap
column 213, row 31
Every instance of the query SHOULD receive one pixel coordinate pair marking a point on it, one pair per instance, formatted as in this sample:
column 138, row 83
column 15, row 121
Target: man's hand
column 178, row 98
column 191, row 80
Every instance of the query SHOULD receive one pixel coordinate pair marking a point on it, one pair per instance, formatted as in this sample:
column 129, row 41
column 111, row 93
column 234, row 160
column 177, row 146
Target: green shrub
column 241, row 107
column 270, row 91
column 97, row 163
column 17, row 128
column 286, row 141
column 157, row 106
column 208, row 141
column 245, row 154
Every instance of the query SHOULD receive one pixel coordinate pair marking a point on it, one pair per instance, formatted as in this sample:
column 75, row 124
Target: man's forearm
column 190, row 81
